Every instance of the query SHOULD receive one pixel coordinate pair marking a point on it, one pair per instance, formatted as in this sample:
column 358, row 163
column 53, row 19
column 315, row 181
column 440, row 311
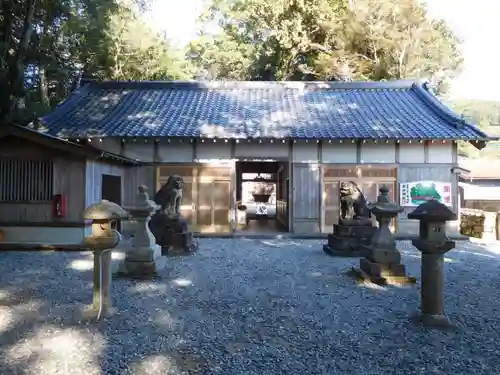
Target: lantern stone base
column 179, row 244
column 349, row 240
column 433, row 321
column 142, row 262
column 91, row 312
column 382, row 274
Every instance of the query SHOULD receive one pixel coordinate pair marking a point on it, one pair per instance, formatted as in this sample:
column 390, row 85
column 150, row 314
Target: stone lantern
column 143, row 259
column 433, row 243
column 101, row 242
column 382, row 264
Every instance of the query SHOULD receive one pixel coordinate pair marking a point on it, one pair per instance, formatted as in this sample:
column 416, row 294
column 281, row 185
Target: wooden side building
column 46, row 183
column 313, row 135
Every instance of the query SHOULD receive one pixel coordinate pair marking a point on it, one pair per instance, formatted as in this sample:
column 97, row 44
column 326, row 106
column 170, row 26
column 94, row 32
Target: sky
column 476, row 22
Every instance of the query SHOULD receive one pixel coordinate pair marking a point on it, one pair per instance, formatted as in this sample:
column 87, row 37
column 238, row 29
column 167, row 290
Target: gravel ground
column 246, row 306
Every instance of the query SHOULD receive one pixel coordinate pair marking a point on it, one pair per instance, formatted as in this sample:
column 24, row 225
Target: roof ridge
column 234, row 85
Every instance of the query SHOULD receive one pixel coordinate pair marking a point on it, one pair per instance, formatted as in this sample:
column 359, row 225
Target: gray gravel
column 246, row 306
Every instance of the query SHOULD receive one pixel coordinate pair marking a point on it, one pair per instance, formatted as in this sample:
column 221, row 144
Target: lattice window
column 23, row 180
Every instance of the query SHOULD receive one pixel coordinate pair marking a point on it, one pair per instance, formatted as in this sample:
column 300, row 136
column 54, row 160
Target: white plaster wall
column 139, row 150
column 210, row 150
column 378, row 152
column 439, row 153
column 174, row 153
column 305, row 152
column 44, row 235
column 339, row 153
column 264, row 150
column 112, row 145
column 93, row 179
column 411, row 153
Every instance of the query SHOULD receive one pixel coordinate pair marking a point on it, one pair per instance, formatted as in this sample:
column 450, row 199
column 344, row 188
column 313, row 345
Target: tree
column 484, row 114
column 15, row 35
column 326, row 40
column 46, row 44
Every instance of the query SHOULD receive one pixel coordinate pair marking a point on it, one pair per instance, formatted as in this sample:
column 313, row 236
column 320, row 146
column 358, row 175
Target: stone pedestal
column 144, row 258
column 179, row 244
column 349, row 240
column 433, row 244
column 105, row 287
column 382, row 264
column 102, row 241
column 172, row 235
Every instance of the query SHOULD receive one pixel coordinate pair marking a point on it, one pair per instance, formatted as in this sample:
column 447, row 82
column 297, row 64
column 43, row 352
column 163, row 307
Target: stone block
column 354, row 231
column 349, row 253
column 143, row 254
column 381, row 270
column 382, row 274
column 384, row 256
column 179, row 244
column 143, row 269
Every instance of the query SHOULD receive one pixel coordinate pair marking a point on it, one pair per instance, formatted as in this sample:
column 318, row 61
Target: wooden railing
column 24, row 180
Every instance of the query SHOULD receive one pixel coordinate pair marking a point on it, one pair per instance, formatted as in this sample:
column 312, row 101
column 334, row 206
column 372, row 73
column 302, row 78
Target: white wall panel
column 264, row 150
column 174, row 153
column 440, row 153
column 210, row 150
column 411, row 153
column 339, row 153
column 378, row 152
column 303, row 152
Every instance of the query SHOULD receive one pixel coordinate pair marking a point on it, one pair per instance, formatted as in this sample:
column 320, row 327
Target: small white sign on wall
column 413, row 194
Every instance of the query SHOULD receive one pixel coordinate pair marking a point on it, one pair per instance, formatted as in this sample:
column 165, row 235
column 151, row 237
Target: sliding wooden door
column 207, row 196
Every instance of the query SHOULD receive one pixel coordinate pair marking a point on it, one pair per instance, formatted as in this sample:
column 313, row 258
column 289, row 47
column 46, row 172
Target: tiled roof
column 318, row 110
column 43, row 138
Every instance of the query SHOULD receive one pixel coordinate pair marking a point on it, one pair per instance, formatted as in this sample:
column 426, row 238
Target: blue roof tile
column 318, row 110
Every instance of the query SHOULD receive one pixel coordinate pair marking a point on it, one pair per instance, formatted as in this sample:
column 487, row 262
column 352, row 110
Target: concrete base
column 363, row 277
column 142, row 269
column 360, row 253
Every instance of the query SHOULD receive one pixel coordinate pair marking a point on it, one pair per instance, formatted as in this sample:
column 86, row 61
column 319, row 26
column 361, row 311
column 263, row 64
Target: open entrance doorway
column 111, row 190
column 261, row 197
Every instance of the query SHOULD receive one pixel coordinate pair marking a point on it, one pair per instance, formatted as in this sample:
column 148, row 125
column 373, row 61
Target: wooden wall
column 93, row 179
column 306, row 200
column 369, row 180
column 443, row 173
column 136, row 176
column 312, row 167
column 282, row 195
column 208, row 196
column 68, row 179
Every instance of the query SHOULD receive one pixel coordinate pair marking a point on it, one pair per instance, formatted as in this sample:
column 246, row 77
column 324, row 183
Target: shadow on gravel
column 43, row 331
column 294, row 305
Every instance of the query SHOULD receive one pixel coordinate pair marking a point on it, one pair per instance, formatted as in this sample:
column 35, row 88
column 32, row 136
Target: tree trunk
column 13, row 83
column 44, row 90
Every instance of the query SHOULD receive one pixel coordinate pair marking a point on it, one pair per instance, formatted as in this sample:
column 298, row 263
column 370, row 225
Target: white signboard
column 413, row 194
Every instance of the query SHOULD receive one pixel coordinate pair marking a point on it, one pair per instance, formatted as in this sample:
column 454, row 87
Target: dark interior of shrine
column 262, row 196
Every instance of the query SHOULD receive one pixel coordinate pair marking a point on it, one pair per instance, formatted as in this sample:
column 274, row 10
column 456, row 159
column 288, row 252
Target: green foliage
column 108, row 39
column 484, row 114
column 326, row 40
column 423, row 192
